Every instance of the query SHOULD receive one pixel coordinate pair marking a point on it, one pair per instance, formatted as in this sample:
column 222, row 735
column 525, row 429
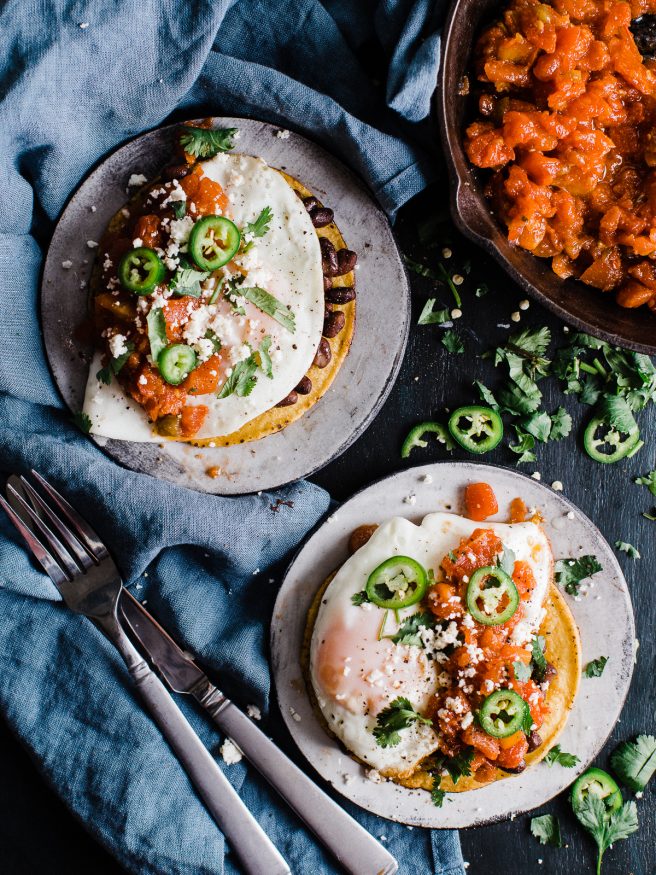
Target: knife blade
column 357, row 851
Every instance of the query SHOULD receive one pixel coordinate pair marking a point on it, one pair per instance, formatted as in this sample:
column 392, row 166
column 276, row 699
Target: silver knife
column 354, row 848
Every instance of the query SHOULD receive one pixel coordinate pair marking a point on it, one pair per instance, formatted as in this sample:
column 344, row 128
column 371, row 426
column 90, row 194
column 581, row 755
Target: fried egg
column 286, row 262
column 356, row 672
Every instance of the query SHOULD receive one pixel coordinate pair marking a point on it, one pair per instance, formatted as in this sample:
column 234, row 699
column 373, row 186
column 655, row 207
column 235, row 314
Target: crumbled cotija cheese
column 117, row 345
column 230, row 752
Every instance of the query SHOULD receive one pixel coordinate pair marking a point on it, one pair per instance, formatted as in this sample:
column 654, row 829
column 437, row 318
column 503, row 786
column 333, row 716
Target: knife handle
column 357, row 851
column 255, row 851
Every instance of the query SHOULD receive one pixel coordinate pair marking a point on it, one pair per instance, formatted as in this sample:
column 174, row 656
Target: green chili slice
column 398, row 582
column 140, row 270
column 477, row 429
column 415, row 437
column 213, row 241
column 598, row 783
column 611, row 445
column 503, row 713
column 176, row 362
column 492, row 597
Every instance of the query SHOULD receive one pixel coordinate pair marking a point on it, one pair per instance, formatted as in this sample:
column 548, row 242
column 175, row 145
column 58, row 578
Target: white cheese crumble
column 410, row 499
column 516, row 316
column 282, row 135
column 230, row 752
column 467, row 720
column 456, row 313
column 117, row 345
column 137, row 242
column 92, row 244
column 427, row 478
column 67, row 264
column 374, row 776
column 181, row 229
column 557, row 486
column 136, row 179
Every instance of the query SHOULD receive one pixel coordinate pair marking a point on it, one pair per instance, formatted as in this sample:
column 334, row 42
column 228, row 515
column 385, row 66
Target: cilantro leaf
column 186, row 281
column 408, row 632
column 391, row 720
column 156, row 332
column 595, row 668
column 538, row 660
column 429, row 316
column 556, row 756
column 258, row 228
column 615, row 412
column 570, row 572
column 421, row 269
column 202, row 143
column 104, row 375
column 561, row 424
column 538, row 425
column 242, row 380
column 179, row 209
column 635, row 761
column 458, row 766
column 359, row 598
column 265, row 359
column 452, row 341
column 481, row 291
column 268, row 304
column 506, row 560
column 524, row 446
column 82, row 421
column 522, row 671
column 546, row 830
column 629, row 549
column 437, row 795
column 649, row 480
column 605, row 828
column 650, row 516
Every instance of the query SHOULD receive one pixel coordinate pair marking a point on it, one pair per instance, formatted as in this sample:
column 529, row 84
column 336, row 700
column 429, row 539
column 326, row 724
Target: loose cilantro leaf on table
column 649, row 480
column 650, row 516
column 634, row 762
column 421, row 269
column 629, row 549
column 524, row 446
column 556, row 756
column 408, row 632
column 429, row 316
column 561, row 424
column 570, row 572
column 605, row 828
column 397, row 716
column 452, row 341
column 486, row 395
column 202, row 143
column 595, row 668
column 538, row 425
column 546, row 830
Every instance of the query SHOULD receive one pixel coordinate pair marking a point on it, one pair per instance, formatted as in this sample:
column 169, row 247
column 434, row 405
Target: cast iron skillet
column 588, row 309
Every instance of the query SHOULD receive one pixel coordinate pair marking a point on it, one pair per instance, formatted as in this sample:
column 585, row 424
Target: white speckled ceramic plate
column 604, row 617
column 365, row 378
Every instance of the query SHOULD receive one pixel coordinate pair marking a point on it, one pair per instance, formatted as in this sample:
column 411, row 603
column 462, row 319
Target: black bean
column 323, row 354
column 175, row 171
column 534, row 741
column 305, row 386
column 550, row 672
column 321, row 216
column 346, row 261
column 340, row 294
column 517, row 770
column 334, row 324
column 292, row 398
column 327, row 283
column 311, row 203
column 328, row 257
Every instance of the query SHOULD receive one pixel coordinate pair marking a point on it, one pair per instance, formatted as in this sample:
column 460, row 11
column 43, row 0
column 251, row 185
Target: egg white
column 286, row 261
column 354, row 675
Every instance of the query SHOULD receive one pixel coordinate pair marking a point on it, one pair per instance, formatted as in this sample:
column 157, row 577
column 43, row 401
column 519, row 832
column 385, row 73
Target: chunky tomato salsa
column 566, row 123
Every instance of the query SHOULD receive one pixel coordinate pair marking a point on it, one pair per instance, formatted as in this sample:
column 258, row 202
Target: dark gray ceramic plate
column 362, row 384
column 580, row 305
column 604, row 617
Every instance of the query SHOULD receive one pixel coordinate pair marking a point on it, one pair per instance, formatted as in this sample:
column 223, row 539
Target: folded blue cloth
column 78, row 78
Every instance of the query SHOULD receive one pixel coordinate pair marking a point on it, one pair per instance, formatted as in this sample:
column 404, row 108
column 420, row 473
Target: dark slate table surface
column 37, row 833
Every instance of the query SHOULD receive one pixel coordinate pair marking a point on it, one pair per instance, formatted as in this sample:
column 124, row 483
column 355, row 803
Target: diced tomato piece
column 205, row 378
column 481, row 741
column 480, row 501
column 191, row 419
column 523, row 579
column 511, row 757
column 477, row 551
column 518, row 510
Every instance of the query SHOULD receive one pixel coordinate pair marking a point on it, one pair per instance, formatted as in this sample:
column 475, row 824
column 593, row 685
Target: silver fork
column 90, row 584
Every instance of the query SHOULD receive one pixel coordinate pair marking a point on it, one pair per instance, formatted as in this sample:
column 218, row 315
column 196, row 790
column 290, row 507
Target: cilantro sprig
column 595, row 668
column 629, row 549
column 604, row 827
column 546, row 830
column 571, row 572
column 395, row 717
column 556, row 756
column 203, row 143
column 258, row 228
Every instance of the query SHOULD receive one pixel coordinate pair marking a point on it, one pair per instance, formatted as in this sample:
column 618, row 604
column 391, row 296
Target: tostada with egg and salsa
column 223, row 301
column 442, row 655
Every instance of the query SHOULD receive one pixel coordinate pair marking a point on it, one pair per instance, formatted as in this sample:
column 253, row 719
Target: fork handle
column 256, row 853
column 357, row 851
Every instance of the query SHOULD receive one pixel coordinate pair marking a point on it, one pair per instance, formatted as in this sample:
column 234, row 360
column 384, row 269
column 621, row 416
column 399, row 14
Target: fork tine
column 65, row 561
column 47, row 562
column 84, row 531
column 77, row 549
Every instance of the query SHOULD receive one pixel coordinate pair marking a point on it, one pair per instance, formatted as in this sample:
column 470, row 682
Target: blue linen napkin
column 77, row 79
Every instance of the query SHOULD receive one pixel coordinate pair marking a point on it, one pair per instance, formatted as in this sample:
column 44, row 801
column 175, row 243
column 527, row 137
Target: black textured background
column 38, row 835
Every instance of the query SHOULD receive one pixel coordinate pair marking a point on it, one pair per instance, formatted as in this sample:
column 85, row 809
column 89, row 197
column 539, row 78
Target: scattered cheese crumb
column 639, row 794
column 456, row 313
column 524, row 305
column 67, row 264
column 458, row 279
column 536, row 475
column 427, row 478
column 253, row 712
column 410, row 499
column 230, row 752
column 93, row 208
column 295, row 715
column 282, row 135
column 446, row 252
column 570, row 515
column 117, row 345
column 83, row 25
column 374, row 776
column 347, row 778
column 137, row 179
column 557, row 485
column 92, row 244
column 516, row 316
